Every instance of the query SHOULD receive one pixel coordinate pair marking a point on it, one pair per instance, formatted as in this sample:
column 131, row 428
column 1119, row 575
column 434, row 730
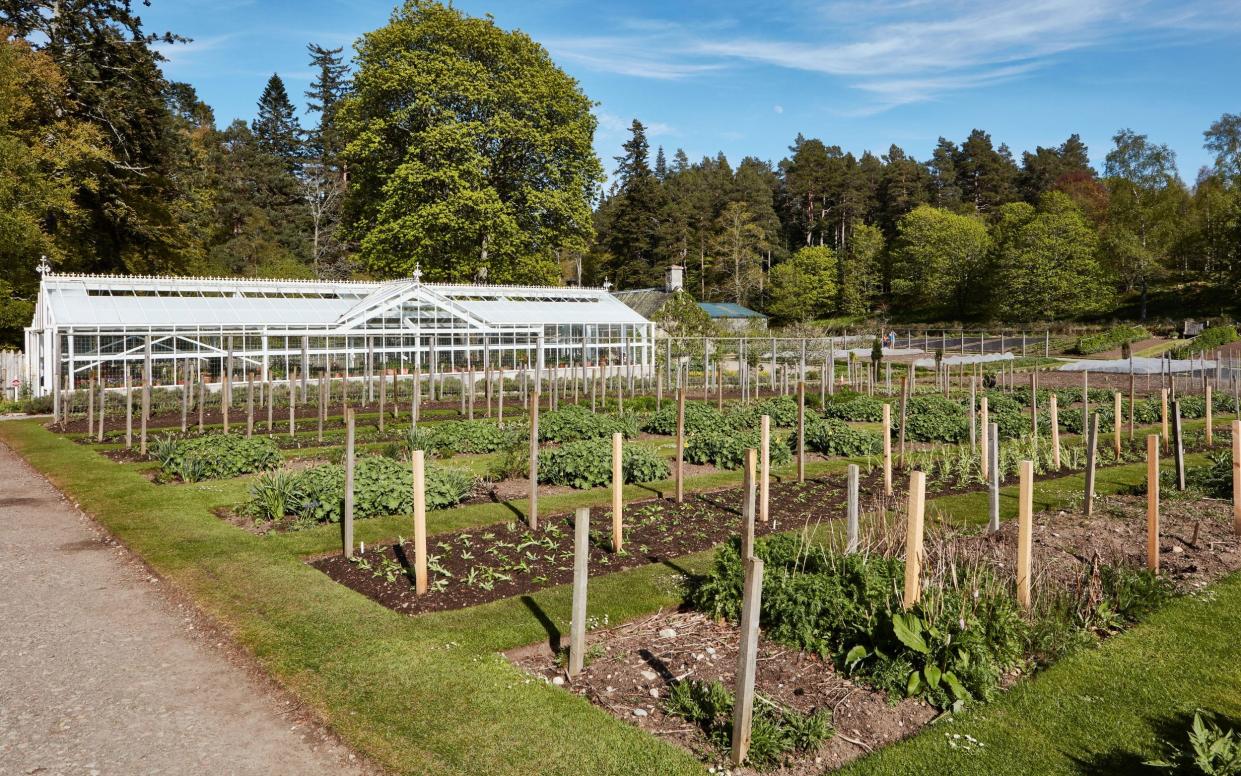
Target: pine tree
column 326, row 91
column 276, row 127
column 661, row 165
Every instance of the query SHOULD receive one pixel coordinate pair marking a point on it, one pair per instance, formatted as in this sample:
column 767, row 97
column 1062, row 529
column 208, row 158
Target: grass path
column 430, row 694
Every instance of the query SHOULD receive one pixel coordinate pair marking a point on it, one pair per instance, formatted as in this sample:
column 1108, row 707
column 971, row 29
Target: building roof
column 647, row 302
column 112, row 302
column 728, row 310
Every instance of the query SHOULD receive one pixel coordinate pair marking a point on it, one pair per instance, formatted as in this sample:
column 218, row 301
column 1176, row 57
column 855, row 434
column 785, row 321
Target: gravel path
column 105, row 673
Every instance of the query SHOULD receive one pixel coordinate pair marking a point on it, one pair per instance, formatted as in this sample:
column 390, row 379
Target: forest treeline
column 448, row 142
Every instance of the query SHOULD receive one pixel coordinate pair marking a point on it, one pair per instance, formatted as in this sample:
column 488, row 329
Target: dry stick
column 985, row 426
column 1152, row 501
column 764, row 470
column 1092, row 457
column 347, row 520
column 747, row 661
column 533, row 517
column 1179, row 457
column 913, row 538
column 577, row 622
column 420, row 522
column 1116, row 420
column 1025, row 531
column 801, row 431
column 618, row 491
column 852, row 514
column 887, row 449
column 1054, row 409
column 680, row 470
column 1236, row 477
column 993, row 440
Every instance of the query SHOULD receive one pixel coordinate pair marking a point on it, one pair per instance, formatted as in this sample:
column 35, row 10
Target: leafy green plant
column 1118, row 335
column 699, row 416
column 858, row 408
column 776, row 730
column 1213, row 751
column 588, row 464
column 1212, row 338
column 936, row 419
column 575, row 422
column 833, row 437
column 272, row 496
column 218, row 456
column 726, row 448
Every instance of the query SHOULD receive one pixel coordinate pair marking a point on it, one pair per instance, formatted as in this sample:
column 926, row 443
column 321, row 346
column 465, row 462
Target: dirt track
column 106, row 674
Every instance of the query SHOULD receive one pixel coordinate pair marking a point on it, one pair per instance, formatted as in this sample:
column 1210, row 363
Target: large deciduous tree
column 803, row 287
column 469, row 150
column 940, row 259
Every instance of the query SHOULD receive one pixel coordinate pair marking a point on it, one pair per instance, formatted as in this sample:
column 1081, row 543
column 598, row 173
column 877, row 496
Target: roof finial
column 44, row 267
column 607, row 284
column 418, row 272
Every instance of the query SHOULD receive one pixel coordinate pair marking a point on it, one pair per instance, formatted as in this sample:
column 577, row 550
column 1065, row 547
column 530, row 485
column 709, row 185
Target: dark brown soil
column 633, row 667
column 501, row 561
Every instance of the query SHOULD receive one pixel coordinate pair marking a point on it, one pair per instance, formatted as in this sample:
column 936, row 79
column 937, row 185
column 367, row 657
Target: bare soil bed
column 631, row 667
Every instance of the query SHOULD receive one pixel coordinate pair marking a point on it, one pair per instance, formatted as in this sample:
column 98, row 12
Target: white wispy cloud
column 903, row 51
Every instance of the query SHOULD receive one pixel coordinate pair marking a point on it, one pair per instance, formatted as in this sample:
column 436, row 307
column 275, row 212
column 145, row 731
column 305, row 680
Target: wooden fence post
column 851, row 544
column 292, row 404
column 250, row 406
column 185, row 393
column 533, row 517
column 764, row 468
column 417, row 462
column 801, row 431
column 1054, row 409
column 1236, row 476
column 1116, row 420
column 618, row 491
column 1178, row 450
column 1210, row 430
column 1163, row 416
column 747, row 660
column 129, row 411
column 680, row 468
column 887, row 449
column 347, row 518
column 748, row 492
column 906, row 389
column 1152, row 501
column 577, row 621
column 993, row 441
column 146, row 396
column 202, row 402
column 90, row 405
column 1092, row 457
column 984, row 424
column 913, row 538
column 103, row 396
column 383, row 397
column 1025, row 531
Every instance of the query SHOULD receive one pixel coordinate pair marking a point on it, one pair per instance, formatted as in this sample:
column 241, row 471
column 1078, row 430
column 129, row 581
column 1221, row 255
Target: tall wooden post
column 993, row 441
column 973, row 413
column 887, row 449
column 801, row 430
column 383, row 397
column 250, row 406
column 1054, row 409
column 747, row 506
column 764, row 469
column 534, row 460
column 618, row 491
column 906, row 390
column 747, row 661
column 577, row 621
column 129, row 411
column 851, row 525
column 984, row 451
column 347, row 517
column 1178, row 449
column 185, row 393
column 1025, row 531
column 1163, row 416
column 1152, row 501
column 1116, row 421
column 1236, row 477
column 913, row 538
column 418, row 464
column 1210, row 429
column 680, row 462
column 1092, row 457
column 146, row 393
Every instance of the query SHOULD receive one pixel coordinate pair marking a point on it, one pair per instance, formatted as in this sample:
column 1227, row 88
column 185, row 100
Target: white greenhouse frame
column 105, row 325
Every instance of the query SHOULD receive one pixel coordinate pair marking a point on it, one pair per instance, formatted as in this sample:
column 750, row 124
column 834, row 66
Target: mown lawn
column 431, row 695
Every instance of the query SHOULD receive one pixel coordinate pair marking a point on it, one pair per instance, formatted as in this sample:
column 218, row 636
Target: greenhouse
column 113, row 328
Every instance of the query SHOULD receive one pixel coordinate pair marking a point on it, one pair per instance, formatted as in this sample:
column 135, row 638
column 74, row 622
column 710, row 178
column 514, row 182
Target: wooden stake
column 1236, row 477
column 984, row 453
column 417, row 462
column 801, row 431
column 347, row 518
column 747, row 507
column 993, row 441
column 383, row 398
column 680, row 468
column 1179, row 447
column 533, row 517
column 1152, row 501
column 1025, row 531
column 129, row 411
column 618, row 491
column 250, row 407
column 1210, row 430
column 577, row 622
column 887, row 449
column 1163, row 416
column 1092, row 457
column 1116, row 421
column 764, row 471
column 747, row 661
column 913, row 538
column 103, row 395
column 906, row 390
column 852, row 514
column 1054, row 408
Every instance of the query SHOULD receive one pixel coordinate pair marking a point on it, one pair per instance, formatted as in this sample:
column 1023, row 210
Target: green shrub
column 1107, row 340
column 866, row 409
column 472, row 436
column 1215, row 479
column 381, row 486
column 781, row 409
column 218, row 456
column 775, row 731
column 726, row 448
column 588, row 464
column 575, row 422
column 833, row 437
column 1208, row 340
column 936, row 419
column 698, row 416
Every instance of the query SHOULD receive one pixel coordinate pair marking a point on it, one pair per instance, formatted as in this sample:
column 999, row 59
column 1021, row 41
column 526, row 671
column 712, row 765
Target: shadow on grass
column 553, row 631
column 1168, row 734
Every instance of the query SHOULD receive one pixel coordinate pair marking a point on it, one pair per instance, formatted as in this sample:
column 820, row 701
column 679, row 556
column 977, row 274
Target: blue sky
column 746, row 77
